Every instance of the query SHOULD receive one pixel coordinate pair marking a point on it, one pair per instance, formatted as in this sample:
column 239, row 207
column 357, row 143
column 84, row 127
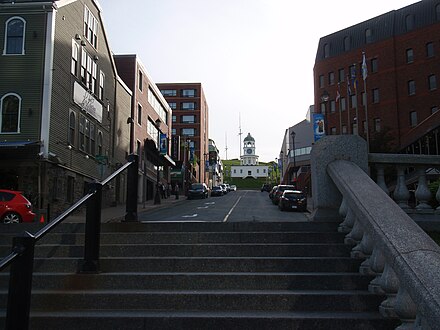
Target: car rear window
column 282, row 188
column 294, row 196
column 5, row 196
column 196, row 186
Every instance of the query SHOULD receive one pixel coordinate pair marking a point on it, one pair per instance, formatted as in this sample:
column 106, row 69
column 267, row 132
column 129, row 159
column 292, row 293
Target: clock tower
column 249, row 157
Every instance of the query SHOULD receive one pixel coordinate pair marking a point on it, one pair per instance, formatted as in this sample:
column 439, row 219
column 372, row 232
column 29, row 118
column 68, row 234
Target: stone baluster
column 437, row 197
column 355, row 235
column 364, row 249
column 423, row 194
column 390, row 284
column 405, row 309
column 377, row 264
column 346, row 226
column 401, row 192
column 381, row 178
column 343, row 208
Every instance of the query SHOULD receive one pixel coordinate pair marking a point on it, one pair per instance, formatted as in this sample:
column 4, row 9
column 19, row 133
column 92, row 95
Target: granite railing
column 417, row 178
column 403, row 259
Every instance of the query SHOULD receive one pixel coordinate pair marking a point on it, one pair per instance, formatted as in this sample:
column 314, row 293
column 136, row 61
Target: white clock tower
column 249, row 157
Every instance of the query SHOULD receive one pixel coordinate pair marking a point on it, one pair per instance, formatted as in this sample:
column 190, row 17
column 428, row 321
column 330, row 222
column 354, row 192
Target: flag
column 338, row 94
column 354, row 78
column 364, row 67
column 348, row 86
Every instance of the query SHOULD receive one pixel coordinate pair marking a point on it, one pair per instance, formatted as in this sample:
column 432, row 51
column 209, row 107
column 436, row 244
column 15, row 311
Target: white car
column 233, row 187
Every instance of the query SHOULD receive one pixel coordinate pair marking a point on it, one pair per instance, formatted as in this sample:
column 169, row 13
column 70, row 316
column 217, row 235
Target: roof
column 385, row 26
column 249, row 138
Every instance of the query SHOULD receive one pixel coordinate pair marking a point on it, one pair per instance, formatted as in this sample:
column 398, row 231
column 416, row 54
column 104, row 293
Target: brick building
column 398, row 107
column 190, row 142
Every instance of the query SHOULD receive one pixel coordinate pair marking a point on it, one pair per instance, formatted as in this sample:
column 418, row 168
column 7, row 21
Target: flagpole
column 348, row 104
column 356, row 95
column 364, row 77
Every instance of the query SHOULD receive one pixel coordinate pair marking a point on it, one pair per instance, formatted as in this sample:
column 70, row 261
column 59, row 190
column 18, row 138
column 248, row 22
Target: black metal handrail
column 21, row 258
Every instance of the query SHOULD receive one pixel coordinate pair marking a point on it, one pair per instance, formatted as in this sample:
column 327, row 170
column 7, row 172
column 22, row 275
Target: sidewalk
column 117, row 213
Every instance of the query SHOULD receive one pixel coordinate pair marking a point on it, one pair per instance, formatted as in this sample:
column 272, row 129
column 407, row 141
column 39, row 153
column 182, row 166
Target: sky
column 254, row 58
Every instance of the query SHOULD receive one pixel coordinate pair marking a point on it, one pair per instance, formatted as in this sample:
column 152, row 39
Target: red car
column 14, row 207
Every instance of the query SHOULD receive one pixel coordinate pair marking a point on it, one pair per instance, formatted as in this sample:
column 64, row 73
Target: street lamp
column 157, row 195
column 293, row 134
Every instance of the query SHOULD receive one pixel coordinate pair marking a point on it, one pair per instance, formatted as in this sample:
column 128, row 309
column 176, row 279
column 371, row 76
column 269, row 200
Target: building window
column 437, row 12
column 168, row 92
column 10, row 107
column 157, row 106
column 344, row 129
column 173, row 131
column 90, row 27
column 411, row 87
column 174, row 118
column 188, row 131
column 323, row 108
column 87, row 136
column 377, row 124
column 331, row 78
column 101, row 85
column 363, row 98
column 139, row 115
column 347, row 44
column 75, row 52
column 374, row 65
column 258, row 171
column 94, row 77
column 341, row 74
column 173, row 105
column 249, row 172
column 353, row 101
column 332, row 106
column 92, row 139
column 343, row 104
column 409, row 22
column 235, row 171
column 429, row 49
column 241, row 171
column 333, row 131
column 188, row 105
column 188, row 92
column 321, row 81
column 140, row 80
column 326, row 50
column 434, row 109
column 72, row 128
column 413, row 118
column 82, row 132
column 376, row 96
column 409, row 55
column 432, row 82
column 15, row 35
column 188, row 119
column 368, row 36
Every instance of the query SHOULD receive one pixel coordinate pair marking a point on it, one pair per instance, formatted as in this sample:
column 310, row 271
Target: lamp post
column 157, row 194
column 293, row 134
column 324, row 99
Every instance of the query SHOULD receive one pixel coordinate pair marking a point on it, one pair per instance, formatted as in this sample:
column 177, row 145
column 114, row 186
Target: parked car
column 228, row 187
column 14, row 207
column 198, row 190
column 217, row 191
column 272, row 191
column 293, row 200
column 233, row 187
column 279, row 191
column 266, row 187
column 225, row 188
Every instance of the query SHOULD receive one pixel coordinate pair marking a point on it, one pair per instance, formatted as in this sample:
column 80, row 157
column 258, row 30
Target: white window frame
column 75, row 62
column 18, row 115
column 6, row 36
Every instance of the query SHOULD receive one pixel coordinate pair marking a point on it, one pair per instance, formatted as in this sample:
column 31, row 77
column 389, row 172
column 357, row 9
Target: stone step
column 225, row 300
column 198, row 281
column 194, row 250
column 190, row 238
column 181, row 227
column 210, row 264
column 213, row 320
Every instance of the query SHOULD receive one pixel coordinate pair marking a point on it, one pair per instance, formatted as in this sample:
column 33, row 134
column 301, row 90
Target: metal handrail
column 21, row 258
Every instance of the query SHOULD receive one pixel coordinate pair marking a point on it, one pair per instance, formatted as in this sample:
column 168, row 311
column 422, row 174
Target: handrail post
column 20, row 283
column 131, row 214
column 90, row 264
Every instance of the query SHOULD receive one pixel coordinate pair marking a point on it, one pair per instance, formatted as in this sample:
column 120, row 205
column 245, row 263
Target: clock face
column 249, row 151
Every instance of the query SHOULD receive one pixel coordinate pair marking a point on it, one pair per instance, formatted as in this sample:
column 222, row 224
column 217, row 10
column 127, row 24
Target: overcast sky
column 254, row 58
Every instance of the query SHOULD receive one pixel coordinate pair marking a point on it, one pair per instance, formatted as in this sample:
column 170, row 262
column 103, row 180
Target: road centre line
column 232, row 209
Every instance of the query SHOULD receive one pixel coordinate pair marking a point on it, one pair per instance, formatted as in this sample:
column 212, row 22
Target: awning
column 17, row 144
column 156, row 157
column 170, row 160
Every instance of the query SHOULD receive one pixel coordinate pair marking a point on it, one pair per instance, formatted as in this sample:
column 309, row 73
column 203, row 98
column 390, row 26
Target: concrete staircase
column 199, row 276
